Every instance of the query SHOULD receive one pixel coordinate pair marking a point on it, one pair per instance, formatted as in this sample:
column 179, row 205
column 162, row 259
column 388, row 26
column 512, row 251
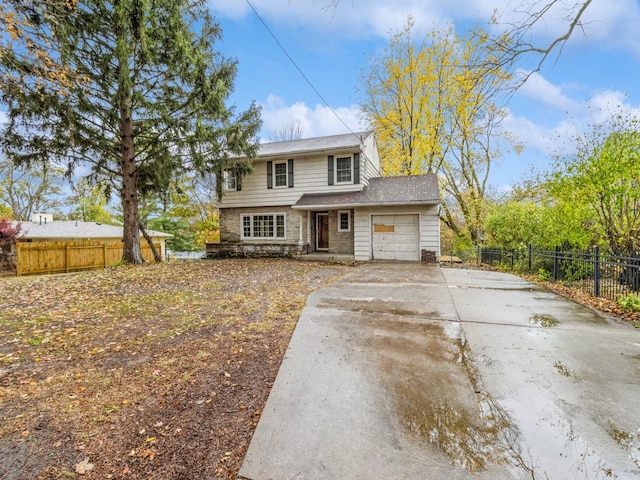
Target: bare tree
column 291, row 130
column 519, row 43
column 532, row 13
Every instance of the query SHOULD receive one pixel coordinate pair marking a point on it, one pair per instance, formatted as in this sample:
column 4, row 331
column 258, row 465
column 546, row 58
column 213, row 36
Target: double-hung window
column 229, row 179
column 344, row 170
column 268, row 226
column 280, row 174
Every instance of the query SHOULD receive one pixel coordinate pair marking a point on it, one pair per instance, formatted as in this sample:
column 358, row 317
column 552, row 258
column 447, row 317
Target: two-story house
column 326, row 195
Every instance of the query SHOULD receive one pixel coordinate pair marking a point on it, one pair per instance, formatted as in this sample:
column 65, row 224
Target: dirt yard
column 150, row 372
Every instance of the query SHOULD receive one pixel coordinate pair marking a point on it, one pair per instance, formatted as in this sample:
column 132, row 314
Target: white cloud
column 607, row 103
column 613, row 25
column 555, row 137
column 350, row 18
column 552, row 96
column 314, row 121
column 605, row 22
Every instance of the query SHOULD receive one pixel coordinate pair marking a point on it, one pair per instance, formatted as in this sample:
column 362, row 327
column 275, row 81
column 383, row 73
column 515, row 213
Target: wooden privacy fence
column 59, row 257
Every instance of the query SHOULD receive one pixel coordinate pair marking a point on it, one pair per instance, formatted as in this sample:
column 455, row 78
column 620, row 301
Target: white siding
column 398, row 239
column 429, row 228
column 310, row 176
column 369, row 160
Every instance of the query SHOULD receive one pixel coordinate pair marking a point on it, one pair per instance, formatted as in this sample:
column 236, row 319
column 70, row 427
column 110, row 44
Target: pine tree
column 131, row 88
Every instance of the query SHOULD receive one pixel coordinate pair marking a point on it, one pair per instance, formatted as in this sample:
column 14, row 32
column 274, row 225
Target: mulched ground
column 149, row 372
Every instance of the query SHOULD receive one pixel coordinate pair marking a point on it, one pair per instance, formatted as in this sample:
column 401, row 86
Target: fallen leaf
column 84, row 467
column 25, row 433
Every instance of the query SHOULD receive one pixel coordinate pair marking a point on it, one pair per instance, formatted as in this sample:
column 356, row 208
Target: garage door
column 396, row 237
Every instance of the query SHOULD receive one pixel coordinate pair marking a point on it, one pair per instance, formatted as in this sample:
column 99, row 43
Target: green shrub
column 630, row 302
column 543, row 275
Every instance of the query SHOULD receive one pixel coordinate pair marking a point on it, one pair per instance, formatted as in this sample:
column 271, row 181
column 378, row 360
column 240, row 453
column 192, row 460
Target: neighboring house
column 43, row 228
column 325, row 195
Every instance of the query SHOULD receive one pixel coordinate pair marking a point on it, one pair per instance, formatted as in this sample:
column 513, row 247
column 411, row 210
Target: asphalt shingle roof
column 318, row 144
column 73, row 229
column 404, row 190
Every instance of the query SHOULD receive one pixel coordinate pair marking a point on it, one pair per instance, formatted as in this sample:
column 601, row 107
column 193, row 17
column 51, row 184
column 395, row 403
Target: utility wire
column 298, row 68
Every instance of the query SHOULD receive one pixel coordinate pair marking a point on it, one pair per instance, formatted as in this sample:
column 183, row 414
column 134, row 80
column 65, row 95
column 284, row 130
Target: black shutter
column 290, row 168
column 269, row 174
column 356, row 168
column 330, row 172
column 238, row 180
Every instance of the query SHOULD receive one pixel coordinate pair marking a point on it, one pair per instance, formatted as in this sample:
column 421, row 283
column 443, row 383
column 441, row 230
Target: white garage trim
column 363, row 226
column 395, row 237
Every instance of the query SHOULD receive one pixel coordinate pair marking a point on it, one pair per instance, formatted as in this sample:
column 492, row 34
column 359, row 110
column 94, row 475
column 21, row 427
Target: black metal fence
column 594, row 272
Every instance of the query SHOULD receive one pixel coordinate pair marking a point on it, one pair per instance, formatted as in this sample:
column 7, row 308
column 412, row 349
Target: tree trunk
column 156, row 255
column 131, row 239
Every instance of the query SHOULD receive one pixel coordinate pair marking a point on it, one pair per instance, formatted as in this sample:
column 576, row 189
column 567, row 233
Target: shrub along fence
column 34, row 258
column 600, row 274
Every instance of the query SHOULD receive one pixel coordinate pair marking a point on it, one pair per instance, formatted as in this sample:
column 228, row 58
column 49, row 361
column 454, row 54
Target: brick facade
column 230, row 225
column 340, row 242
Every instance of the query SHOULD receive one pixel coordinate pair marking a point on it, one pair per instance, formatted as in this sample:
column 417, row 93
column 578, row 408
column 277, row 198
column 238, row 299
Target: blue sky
column 597, row 72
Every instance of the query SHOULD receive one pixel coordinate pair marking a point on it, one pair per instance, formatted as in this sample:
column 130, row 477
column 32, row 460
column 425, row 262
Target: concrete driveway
column 417, row 372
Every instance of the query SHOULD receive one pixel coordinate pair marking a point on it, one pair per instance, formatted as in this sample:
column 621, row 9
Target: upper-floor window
column 229, row 179
column 344, row 169
column 280, row 174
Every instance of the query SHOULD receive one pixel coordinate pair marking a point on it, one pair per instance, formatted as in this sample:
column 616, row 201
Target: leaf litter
column 152, row 371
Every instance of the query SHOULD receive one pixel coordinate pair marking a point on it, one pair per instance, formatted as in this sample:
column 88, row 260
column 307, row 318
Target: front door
column 322, row 231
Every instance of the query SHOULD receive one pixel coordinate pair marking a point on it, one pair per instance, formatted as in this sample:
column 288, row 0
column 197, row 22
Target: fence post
column 67, row 260
column 478, row 253
column 18, row 260
column 104, row 254
column 529, row 255
column 556, row 252
column 596, row 280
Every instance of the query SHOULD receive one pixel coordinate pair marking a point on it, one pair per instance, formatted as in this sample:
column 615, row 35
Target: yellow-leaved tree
column 433, row 101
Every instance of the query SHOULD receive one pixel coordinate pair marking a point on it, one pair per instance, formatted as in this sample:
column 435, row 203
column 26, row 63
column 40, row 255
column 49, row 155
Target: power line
column 298, row 68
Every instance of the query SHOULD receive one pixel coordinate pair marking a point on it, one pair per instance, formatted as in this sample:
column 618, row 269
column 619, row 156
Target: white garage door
column 396, row 237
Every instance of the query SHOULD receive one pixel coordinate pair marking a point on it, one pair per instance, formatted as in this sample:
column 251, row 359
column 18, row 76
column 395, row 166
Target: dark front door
column 322, row 231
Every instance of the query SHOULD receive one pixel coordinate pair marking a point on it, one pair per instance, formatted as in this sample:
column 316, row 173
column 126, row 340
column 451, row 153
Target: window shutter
column 356, row 168
column 269, row 174
column 290, row 169
column 330, row 172
column 238, row 180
